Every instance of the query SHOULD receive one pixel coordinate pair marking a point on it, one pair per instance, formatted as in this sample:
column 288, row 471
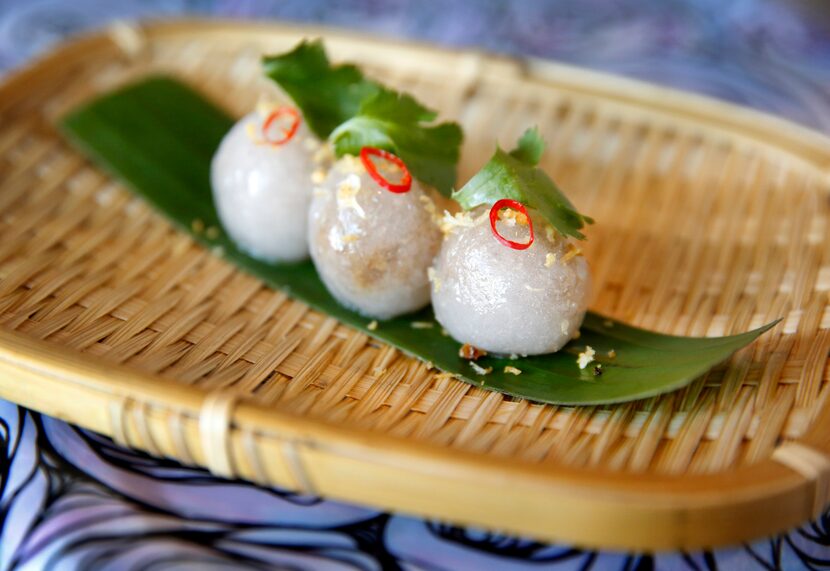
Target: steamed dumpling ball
column 372, row 247
column 504, row 300
column 261, row 178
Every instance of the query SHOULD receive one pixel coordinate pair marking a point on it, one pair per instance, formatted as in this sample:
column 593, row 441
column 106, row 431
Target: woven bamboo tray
column 711, row 219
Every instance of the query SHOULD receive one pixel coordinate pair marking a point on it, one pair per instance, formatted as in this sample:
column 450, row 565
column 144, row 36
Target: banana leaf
column 158, row 136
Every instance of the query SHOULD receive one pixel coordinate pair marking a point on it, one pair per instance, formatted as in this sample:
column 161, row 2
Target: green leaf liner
column 158, row 136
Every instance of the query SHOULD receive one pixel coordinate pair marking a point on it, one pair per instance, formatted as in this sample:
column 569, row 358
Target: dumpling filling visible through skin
column 262, row 191
column 507, row 301
column 372, row 247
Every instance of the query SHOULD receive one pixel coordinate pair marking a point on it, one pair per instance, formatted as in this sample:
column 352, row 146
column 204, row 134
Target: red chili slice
column 494, row 217
column 288, row 132
column 366, row 154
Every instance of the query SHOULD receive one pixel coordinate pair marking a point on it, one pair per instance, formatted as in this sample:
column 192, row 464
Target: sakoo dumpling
column 262, row 181
column 372, row 245
column 504, row 300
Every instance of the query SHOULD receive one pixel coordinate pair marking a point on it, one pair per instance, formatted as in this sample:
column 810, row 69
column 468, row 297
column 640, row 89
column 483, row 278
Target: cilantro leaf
column 353, row 112
column 515, row 175
column 530, row 147
column 327, row 95
column 395, row 122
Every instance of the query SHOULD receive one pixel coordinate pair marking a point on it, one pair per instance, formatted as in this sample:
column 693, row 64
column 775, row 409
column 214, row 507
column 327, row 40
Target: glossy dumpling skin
column 505, row 301
column 371, row 247
column 262, row 192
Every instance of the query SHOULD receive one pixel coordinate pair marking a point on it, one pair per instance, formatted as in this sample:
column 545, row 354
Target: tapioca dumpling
column 262, row 191
column 508, row 301
column 372, row 247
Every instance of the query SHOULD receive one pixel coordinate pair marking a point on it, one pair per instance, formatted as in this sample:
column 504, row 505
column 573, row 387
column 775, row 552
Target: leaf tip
column 530, row 147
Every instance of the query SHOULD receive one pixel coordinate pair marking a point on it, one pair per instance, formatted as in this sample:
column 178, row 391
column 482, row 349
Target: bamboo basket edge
column 808, row 143
column 673, row 511
column 586, row 507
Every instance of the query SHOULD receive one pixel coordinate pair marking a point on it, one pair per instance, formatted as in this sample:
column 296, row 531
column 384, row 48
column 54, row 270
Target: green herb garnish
column 353, row 112
column 515, row 175
column 327, row 95
column 158, row 136
column 395, row 122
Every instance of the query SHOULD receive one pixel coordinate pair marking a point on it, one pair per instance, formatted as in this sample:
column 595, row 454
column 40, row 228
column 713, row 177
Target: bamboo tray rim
column 679, row 505
column 800, row 139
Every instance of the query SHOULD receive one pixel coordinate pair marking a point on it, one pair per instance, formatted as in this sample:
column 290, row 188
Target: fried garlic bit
column 450, row 223
column 347, row 191
column 471, row 353
column 481, row 370
column 550, row 259
column 431, row 209
column 512, row 217
column 586, row 357
column 434, row 279
column 318, row 176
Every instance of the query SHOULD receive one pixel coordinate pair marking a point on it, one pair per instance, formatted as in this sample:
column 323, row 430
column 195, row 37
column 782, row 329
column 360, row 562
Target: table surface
column 71, row 499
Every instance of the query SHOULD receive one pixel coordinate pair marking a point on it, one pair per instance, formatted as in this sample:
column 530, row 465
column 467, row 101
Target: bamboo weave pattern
column 698, row 232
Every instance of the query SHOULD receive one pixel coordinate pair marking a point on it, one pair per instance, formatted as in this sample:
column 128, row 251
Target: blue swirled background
column 770, row 54
column 70, row 499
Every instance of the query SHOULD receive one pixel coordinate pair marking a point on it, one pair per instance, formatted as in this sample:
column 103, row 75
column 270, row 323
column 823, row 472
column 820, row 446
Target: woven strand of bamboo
column 711, row 219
